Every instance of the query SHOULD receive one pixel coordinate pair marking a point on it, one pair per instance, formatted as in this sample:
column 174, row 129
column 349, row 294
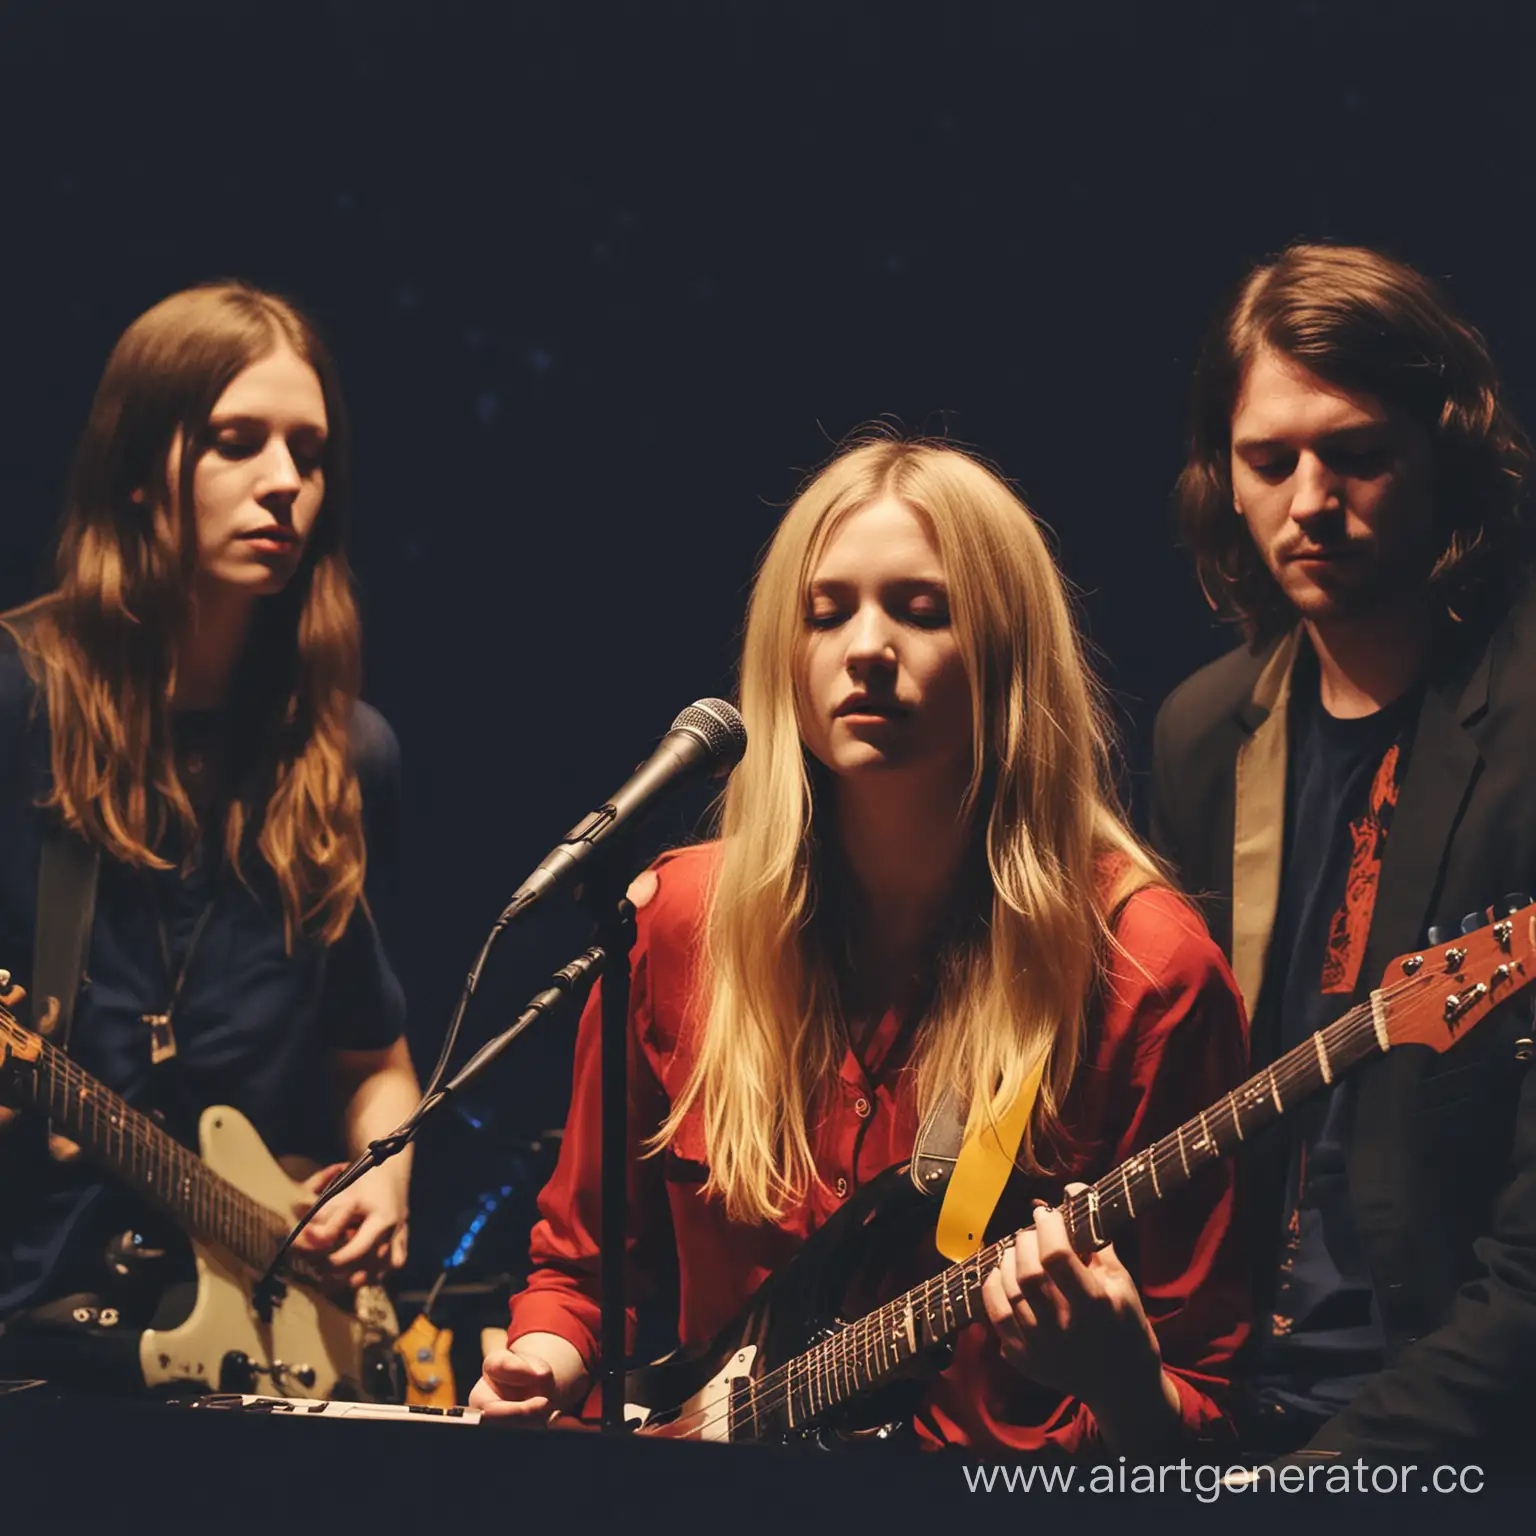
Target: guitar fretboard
column 866, row 1352
column 131, row 1147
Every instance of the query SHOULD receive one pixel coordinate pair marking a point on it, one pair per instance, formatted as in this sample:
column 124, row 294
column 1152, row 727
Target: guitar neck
column 131, row 1147
column 863, row 1354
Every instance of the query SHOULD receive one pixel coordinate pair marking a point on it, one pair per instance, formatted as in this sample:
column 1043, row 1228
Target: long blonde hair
column 1018, row 970
column 102, row 646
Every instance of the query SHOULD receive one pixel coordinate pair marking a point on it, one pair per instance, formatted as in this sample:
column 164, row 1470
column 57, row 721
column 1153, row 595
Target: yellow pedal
column 423, row 1348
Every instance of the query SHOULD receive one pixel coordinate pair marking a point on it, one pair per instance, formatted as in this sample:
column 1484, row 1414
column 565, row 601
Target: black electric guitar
column 792, row 1367
column 235, row 1204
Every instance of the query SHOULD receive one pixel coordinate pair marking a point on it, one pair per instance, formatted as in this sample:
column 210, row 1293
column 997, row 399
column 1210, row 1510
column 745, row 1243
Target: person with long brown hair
column 922, row 887
column 183, row 707
column 1352, row 781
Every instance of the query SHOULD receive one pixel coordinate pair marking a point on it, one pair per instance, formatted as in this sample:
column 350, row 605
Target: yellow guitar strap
column 981, row 1171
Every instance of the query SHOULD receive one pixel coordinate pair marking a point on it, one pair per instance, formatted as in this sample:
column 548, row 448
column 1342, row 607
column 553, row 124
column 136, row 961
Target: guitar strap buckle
column 162, row 1038
column 938, row 1144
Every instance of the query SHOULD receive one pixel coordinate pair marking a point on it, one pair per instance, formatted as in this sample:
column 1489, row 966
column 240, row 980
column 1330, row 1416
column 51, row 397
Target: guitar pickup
column 743, row 1420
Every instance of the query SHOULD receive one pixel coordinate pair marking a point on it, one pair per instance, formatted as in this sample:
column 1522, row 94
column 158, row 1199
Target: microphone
column 707, row 737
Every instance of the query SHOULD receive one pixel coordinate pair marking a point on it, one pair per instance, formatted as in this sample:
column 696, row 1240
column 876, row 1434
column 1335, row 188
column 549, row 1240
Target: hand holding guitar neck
column 60, row 1148
column 1075, row 1322
column 784, row 1373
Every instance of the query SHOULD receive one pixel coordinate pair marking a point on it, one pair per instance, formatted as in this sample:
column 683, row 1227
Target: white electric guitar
column 234, row 1204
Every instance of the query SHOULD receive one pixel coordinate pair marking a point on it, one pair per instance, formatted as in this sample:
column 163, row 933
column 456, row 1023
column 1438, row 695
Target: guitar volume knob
column 237, row 1373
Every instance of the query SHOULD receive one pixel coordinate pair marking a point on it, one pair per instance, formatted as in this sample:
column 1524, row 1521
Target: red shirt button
column 862, row 1109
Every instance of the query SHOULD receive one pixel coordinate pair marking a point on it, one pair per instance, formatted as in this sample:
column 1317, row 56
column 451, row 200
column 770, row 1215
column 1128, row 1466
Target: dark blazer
column 1440, row 1150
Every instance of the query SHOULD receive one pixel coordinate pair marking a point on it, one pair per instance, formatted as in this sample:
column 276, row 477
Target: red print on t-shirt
column 1352, row 922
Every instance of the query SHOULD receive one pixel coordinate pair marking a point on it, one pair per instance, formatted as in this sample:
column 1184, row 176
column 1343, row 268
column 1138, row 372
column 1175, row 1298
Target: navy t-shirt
column 1324, row 1338
column 253, row 1024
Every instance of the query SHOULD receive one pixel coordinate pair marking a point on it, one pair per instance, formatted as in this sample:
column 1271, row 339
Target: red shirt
column 1170, row 1039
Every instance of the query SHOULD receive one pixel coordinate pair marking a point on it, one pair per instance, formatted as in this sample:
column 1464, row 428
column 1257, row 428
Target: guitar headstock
column 1433, row 996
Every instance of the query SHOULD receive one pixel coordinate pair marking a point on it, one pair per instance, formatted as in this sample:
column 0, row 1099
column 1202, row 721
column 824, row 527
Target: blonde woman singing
column 922, row 881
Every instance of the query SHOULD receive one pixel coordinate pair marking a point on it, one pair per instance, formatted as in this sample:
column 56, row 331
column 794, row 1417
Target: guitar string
column 826, row 1361
column 826, row 1366
column 243, row 1218
column 823, row 1366
column 186, row 1166
column 230, row 1217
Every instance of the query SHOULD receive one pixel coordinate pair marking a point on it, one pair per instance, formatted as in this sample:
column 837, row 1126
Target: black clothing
column 252, row 1024
column 1322, row 1336
column 1439, row 1150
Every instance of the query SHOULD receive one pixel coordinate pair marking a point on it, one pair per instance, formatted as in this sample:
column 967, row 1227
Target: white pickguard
column 707, row 1414
column 308, row 1332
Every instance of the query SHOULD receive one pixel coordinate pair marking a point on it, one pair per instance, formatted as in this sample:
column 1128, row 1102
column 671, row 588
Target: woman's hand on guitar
column 520, row 1386
column 1077, row 1325
column 363, row 1230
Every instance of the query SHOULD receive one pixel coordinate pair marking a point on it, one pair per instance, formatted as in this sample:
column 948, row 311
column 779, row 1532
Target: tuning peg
column 1513, row 903
column 1441, row 933
column 1473, row 921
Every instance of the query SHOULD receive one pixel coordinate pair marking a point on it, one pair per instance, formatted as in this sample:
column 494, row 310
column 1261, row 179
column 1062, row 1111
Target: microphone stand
column 604, row 896
column 572, row 978
column 606, row 900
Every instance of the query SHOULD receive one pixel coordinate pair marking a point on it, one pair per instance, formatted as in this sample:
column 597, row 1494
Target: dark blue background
column 605, row 279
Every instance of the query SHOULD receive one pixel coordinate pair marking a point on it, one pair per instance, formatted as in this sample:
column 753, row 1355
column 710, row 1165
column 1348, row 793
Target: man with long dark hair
column 1356, row 773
